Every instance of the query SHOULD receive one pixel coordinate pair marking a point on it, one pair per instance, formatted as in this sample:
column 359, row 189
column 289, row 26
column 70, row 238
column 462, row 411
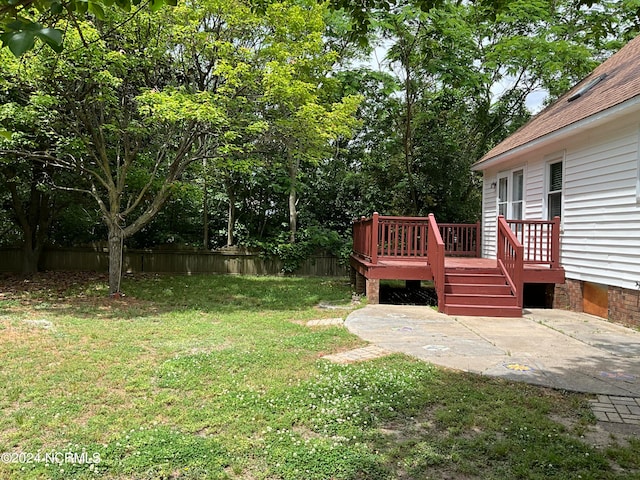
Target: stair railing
column 365, row 238
column 435, row 258
column 540, row 239
column 511, row 259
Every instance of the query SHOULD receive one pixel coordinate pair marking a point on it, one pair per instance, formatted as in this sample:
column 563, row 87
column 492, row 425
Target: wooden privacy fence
column 234, row 261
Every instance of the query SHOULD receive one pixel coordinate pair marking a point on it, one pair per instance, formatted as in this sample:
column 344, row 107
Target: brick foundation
column 624, row 303
column 373, row 291
column 624, row 306
column 568, row 296
column 360, row 283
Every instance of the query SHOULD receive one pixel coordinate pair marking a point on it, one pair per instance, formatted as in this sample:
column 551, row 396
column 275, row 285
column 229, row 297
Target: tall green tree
column 122, row 125
column 463, row 73
column 303, row 120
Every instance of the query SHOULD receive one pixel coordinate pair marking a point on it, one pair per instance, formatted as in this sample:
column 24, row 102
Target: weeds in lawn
column 212, row 377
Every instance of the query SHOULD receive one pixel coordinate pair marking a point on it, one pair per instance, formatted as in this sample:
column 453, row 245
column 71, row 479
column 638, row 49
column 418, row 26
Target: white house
column 579, row 159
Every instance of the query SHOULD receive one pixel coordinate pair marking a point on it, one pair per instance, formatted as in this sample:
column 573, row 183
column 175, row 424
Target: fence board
column 172, row 261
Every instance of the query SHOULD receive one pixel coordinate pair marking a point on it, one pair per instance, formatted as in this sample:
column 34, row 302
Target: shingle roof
column 622, row 83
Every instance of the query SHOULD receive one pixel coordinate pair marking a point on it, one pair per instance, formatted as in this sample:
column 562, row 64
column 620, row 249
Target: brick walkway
column 325, row 322
column 358, row 355
column 609, row 408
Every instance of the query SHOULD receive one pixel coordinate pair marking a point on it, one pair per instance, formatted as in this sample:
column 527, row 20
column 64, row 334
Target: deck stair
column 479, row 292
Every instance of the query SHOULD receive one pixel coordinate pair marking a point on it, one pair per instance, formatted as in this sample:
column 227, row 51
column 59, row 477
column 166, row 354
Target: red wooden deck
column 418, row 269
column 418, row 248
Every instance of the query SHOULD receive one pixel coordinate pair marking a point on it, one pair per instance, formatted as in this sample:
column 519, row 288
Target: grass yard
column 213, row 377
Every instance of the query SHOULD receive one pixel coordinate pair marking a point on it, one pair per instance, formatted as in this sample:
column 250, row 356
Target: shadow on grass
column 86, row 295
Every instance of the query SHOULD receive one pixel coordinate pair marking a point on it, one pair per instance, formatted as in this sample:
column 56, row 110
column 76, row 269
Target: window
column 503, row 196
column 554, row 190
column 517, row 195
column 511, row 194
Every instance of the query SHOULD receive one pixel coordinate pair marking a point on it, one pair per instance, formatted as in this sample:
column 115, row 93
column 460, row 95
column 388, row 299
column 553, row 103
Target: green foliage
column 277, row 129
column 178, row 106
column 19, row 29
column 309, row 241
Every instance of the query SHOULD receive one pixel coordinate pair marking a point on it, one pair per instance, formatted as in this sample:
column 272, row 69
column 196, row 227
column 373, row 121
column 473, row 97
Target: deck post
column 353, row 273
column 478, row 240
column 555, row 243
column 373, row 291
column 360, row 283
column 374, row 238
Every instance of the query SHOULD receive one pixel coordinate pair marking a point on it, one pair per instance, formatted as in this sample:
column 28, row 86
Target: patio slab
column 553, row 348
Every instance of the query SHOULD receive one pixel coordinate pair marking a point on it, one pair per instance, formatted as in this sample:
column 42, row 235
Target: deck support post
column 352, row 277
column 360, row 283
column 373, row 291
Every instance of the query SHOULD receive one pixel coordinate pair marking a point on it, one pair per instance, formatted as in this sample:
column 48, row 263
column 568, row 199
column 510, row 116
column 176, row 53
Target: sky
column 534, row 101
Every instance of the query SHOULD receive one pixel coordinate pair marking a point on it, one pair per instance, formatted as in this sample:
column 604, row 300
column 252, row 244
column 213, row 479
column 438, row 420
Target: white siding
column 601, row 222
column 489, row 215
column 600, row 239
column 534, row 190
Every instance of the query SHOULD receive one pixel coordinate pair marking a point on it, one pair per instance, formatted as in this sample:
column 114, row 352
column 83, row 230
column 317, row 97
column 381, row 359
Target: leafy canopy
column 24, row 21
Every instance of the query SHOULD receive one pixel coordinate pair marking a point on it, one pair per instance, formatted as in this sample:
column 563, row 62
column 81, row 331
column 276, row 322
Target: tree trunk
column 30, row 259
column 231, row 219
column 205, row 207
column 205, row 218
column 116, row 239
column 408, row 139
column 34, row 215
column 293, row 198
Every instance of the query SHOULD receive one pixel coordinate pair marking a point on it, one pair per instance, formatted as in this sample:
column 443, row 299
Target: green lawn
column 218, row 377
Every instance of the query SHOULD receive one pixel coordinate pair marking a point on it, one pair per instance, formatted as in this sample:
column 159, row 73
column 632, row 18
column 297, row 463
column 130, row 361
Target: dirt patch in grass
column 83, row 294
column 46, row 283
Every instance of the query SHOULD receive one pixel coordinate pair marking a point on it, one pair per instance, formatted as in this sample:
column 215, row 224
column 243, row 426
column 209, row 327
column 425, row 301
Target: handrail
column 511, row 259
column 540, row 239
column 363, row 238
column 435, row 258
column 384, row 237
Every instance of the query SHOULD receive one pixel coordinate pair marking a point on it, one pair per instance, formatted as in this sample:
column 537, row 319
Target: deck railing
column 435, row 258
column 540, row 239
column 406, row 237
column 402, row 237
column 364, row 241
column 511, row 258
column 461, row 239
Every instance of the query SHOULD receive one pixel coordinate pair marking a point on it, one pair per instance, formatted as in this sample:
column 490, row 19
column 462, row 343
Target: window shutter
column 555, row 177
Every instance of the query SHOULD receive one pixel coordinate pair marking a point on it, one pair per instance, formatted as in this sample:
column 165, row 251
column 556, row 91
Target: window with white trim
column 511, row 194
column 554, row 189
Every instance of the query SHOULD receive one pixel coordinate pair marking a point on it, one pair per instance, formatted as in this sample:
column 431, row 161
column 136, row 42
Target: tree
column 463, row 73
column 303, row 122
column 122, row 126
column 24, row 21
column 31, row 201
column 217, row 49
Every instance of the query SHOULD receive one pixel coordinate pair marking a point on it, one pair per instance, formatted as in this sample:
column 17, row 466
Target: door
column 511, row 194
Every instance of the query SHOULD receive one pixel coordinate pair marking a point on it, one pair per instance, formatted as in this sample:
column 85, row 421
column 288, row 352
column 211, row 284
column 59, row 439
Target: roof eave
column 592, row 121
